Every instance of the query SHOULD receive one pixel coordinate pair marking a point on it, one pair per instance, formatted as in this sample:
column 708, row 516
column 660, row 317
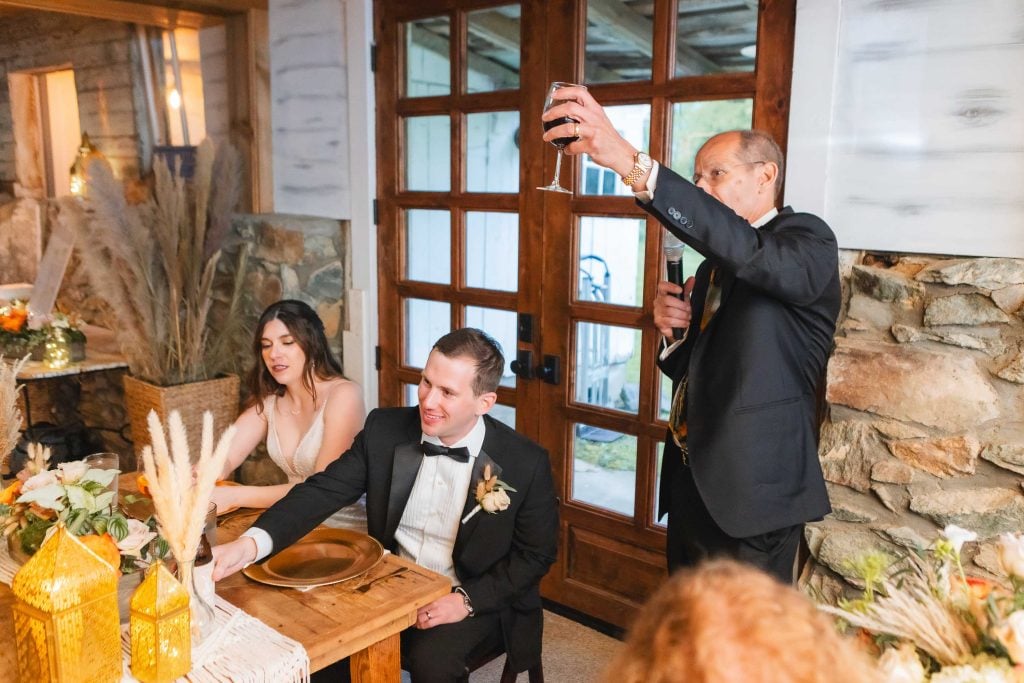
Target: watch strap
column 466, row 602
column 638, row 170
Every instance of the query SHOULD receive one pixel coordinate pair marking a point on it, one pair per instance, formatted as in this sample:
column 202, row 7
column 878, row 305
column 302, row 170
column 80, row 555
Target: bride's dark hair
column 307, row 330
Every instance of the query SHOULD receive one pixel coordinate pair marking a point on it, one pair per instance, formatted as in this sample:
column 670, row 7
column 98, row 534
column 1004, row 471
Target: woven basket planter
column 219, row 396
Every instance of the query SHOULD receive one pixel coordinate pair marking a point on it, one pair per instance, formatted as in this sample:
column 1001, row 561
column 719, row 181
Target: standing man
column 740, row 474
column 418, row 468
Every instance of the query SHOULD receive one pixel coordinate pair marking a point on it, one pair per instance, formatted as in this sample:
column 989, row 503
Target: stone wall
column 925, row 391
column 289, row 257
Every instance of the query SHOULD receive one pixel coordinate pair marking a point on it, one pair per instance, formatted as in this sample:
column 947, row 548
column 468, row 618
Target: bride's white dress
column 302, row 464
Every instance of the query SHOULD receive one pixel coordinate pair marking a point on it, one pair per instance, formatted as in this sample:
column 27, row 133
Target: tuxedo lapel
column 466, row 529
column 406, row 464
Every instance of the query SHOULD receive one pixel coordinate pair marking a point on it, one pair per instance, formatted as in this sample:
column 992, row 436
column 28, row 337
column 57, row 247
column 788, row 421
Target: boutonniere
column 491, row 495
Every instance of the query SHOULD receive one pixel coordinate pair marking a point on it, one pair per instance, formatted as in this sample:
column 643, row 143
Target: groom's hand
column 228, row 558
column 446, row 610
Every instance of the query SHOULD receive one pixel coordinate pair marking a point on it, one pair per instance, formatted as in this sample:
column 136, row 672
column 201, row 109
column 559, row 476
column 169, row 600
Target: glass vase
column 203, row 618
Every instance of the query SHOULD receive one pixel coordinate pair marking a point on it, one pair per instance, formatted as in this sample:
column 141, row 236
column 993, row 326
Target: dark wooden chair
column 535, row 673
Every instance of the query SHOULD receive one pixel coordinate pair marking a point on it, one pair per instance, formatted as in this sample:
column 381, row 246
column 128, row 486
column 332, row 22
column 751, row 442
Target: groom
column 419, row 468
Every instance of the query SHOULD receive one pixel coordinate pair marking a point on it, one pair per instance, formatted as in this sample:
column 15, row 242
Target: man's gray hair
column 757, row 145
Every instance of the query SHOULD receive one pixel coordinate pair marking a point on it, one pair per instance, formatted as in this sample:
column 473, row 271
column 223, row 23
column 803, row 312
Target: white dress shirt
column 426, row 533
column 433, row 514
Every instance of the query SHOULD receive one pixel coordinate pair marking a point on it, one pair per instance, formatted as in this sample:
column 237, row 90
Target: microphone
column 673, row 247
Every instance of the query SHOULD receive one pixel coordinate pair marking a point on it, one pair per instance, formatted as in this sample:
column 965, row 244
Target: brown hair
column 307, row 330
column 725, row 622
column 481, row 348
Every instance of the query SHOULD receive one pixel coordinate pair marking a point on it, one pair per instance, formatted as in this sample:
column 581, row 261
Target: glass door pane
column 611, row 265
column 619, row 41
column 712, row 39
column 427, row 58
column 694, row 122
column 492, row 152
column 492, row 58
column 604, row 468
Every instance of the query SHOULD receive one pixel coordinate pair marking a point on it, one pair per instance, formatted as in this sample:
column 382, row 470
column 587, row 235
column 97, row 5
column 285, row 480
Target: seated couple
column 417, row 496
column 300, row 402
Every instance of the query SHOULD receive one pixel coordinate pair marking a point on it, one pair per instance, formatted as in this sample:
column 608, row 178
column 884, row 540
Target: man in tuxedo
column 419, row 468
column 740, row 472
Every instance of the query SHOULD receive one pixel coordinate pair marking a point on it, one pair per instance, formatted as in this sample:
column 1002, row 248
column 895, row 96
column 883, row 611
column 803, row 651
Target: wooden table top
column 331, row 622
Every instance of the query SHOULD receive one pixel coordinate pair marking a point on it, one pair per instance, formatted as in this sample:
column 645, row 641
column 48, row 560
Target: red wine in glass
column 559, row 143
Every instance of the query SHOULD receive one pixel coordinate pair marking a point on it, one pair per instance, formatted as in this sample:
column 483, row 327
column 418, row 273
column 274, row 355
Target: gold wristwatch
column 642, row 163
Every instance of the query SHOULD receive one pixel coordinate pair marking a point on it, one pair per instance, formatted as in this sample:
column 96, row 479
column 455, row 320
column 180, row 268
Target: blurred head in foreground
column 724, row 622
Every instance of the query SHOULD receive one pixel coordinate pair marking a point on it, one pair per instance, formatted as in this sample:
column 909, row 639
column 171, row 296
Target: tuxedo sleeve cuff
column 264, row 544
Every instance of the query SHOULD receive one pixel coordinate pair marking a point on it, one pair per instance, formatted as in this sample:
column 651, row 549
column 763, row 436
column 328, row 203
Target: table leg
column 379, row 663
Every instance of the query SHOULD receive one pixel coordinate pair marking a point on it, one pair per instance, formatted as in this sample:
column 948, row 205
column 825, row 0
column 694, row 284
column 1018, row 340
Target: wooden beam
column 117, row 10
column 249, row 101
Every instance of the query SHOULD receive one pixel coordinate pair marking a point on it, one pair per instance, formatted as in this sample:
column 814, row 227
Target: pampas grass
column 180, row 491
column 10, row 414
column 155, row 263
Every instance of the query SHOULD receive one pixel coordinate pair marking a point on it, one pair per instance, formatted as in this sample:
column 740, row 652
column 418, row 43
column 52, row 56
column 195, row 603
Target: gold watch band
column 637, row 173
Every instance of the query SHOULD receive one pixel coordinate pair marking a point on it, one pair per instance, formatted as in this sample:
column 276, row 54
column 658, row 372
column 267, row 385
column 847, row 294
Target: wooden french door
column 563, row 282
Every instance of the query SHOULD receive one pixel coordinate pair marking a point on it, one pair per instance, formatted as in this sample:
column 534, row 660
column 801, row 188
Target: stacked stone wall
column 925, row 392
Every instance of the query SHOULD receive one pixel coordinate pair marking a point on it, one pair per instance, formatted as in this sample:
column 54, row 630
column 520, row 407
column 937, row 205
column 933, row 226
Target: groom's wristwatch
column 466, row 602
column 642, row 163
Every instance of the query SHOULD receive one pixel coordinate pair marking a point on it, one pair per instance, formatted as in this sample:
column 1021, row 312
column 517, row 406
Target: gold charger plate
column 321, row 557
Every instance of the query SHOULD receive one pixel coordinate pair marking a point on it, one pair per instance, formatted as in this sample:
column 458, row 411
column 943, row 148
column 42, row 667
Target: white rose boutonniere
column 491, row 495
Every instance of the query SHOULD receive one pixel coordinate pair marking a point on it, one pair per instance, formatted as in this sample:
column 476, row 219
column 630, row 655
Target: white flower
column 139, row 534
column 1011, row 554
column 38, row 481
column 901, row 665
column 1011, row 634
column 982, row 669
column 495, row 501
column 958, row 536
column 72, row 471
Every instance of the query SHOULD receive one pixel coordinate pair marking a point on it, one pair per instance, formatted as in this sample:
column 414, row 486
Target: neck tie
column 461, row 453
column 677, row 412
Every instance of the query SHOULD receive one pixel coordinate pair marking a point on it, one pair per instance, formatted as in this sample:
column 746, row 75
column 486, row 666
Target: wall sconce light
column 174, row 99
column 86, row 152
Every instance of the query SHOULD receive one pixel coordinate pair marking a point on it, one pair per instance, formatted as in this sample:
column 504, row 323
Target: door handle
column 522, row 366
column 550, row 370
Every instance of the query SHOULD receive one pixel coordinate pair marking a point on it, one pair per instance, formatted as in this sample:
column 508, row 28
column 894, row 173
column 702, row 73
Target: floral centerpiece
column 18, row 338
column 77, row 496
column 932, row 622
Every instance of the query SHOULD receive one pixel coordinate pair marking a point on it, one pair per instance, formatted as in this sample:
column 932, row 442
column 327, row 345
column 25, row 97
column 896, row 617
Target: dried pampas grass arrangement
column 10, row 414
column 155, row 263
column 180, row 488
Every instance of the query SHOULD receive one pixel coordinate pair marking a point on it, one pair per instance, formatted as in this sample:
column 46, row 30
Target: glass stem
column 558, row 169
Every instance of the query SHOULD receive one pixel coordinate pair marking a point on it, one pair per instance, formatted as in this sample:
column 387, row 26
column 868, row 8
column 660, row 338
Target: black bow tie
column 461, row 453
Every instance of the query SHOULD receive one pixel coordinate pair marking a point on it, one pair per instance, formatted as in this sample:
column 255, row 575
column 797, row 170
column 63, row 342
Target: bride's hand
column 225, row 499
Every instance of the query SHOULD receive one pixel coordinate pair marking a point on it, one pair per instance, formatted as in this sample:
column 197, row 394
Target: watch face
column 644, row 160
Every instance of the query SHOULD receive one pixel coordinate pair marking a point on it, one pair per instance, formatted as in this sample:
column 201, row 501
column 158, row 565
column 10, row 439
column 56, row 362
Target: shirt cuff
column 647, row 196
column 670, row 349
column 264, row 544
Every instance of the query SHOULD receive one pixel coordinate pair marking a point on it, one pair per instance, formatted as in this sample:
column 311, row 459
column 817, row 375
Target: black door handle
column 551, row 370
column 522, row 366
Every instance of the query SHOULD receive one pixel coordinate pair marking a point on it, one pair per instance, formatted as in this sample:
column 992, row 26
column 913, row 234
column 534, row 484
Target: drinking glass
column 559, row 143
column 105, row 461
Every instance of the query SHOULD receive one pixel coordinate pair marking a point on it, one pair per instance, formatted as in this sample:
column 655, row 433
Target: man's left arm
column 534, row 546
column 793, row 262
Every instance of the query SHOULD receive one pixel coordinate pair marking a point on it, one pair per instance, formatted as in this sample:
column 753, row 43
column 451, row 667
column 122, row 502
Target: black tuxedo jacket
column 753, row 374
column 499, row 558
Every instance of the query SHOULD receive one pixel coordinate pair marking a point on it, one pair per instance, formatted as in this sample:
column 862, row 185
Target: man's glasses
column 717, row 175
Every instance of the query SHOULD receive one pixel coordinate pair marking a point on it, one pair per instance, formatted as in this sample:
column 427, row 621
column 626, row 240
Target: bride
column 299, row 402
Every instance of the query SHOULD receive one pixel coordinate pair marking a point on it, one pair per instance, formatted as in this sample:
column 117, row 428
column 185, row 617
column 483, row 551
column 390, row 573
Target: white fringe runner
column 242, row 649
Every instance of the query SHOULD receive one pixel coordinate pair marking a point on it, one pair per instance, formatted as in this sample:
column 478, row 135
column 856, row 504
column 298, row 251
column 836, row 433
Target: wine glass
column 559, row 143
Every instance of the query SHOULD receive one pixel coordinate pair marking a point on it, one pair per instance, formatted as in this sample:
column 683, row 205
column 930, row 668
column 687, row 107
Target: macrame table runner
column 242, row 649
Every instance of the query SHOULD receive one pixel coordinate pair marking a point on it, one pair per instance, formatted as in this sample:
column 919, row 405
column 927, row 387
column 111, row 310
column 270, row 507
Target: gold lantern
column 86, row 153
column 161, row 640
column 65, row 614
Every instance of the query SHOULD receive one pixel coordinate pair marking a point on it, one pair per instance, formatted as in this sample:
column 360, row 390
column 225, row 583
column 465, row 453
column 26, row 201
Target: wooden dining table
column 331, row 622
